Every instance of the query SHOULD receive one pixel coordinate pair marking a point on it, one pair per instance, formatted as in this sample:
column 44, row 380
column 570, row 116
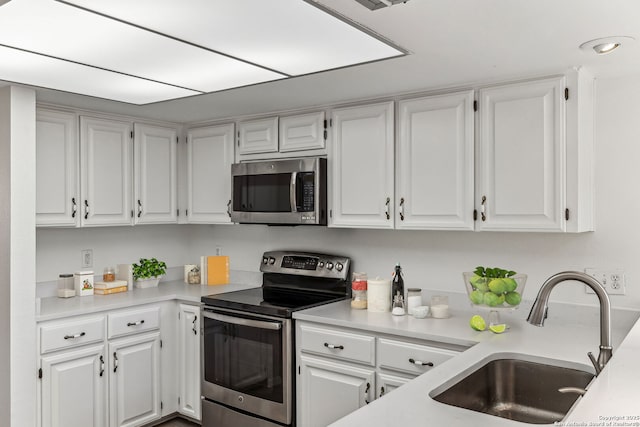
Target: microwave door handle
column 244, row 322
column 293, row 192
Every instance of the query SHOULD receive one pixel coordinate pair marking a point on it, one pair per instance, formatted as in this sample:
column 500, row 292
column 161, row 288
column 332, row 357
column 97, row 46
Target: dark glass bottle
column 397, row 286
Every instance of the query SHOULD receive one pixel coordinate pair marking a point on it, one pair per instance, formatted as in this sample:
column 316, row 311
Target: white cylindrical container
column 414, row 299
column 83, row 281
column 440, row 306
column 379, row 295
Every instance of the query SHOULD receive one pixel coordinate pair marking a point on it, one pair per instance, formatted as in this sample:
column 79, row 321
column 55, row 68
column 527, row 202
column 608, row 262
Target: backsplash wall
column 433, row 260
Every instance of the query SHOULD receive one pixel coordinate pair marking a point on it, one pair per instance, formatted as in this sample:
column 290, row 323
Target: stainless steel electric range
column 248, row 349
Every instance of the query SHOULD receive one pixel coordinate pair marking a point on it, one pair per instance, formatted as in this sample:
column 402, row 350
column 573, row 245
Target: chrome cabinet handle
column 195, row 318
column 420, row 363
column 333, row 346
column 115, row 362
column 86, row 209
column 387, row 208
column 483, row 215
column 139, row 322
column 74, row 207
column 366, row 393
column 139, row 208
column 402, row 209
column 70, row 337
column 101, row 365
column 229, row 208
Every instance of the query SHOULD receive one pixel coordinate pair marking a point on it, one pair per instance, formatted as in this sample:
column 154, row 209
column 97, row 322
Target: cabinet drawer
column 338, row 344
column 410, row 358
column 133, row 321
column 71, row 333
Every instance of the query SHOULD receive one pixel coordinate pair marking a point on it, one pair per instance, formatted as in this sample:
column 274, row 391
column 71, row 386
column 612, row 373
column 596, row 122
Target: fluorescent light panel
column 291, row 36
column 154, row 50
column 22, row 67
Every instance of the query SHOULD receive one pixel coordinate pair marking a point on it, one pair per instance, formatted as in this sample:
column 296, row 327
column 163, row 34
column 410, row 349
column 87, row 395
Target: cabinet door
column 362, row 170
column 74, row 388
column 434, row 163
column 521, row 163
column 386, row 383
column 209, row 159
column 189, row 361
column 57, row 165
column 156, row 181
column 258, row 136
column 134, row 380
column 328, row 390
column 107, row 171
column 302, row 132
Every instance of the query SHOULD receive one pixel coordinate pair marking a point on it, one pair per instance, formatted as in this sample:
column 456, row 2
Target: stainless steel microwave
column 292, row 192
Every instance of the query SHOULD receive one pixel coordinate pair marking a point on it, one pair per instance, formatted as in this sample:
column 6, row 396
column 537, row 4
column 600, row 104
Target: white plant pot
column 151, row 282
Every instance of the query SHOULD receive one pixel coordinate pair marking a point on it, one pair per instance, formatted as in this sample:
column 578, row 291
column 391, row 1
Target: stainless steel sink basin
column 520, row 390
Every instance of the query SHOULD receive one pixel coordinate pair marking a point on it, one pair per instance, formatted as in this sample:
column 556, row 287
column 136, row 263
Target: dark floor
column 178, row 422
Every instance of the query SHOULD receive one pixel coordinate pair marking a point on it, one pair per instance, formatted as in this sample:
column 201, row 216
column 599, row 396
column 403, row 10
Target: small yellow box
column 217, row 270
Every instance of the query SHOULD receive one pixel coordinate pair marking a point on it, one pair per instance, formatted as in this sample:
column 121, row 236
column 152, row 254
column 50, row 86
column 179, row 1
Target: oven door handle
column 293, row 192
column 274, row 326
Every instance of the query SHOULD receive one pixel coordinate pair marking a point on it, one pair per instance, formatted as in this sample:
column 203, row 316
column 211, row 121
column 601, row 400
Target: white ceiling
column 452, row 43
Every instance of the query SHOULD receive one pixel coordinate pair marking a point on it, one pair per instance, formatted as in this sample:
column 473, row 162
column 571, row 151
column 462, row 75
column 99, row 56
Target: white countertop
column 55, row 308
column 569, row 333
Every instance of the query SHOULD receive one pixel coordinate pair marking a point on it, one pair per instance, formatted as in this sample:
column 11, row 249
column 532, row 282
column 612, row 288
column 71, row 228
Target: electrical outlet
column 87, row 258
column 613, row 280
column 218, row 250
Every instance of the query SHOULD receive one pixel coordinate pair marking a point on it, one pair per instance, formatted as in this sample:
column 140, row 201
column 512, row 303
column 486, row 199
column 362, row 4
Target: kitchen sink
column 518, row 389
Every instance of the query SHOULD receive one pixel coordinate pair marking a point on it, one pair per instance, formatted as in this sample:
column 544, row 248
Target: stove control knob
column 321, row 264
column 265, row 260
column 339, row 266
column 272, row 260
column 329, row 265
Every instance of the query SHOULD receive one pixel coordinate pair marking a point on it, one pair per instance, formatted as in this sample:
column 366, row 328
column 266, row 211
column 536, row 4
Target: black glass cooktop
column 270, row 301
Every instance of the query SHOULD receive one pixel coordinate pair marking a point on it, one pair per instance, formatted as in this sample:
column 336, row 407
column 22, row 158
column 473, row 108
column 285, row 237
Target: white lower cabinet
column 189, row 361
column 134, row 389
column 386, row 383
column 343, row 369
column 329, row 390
column 74, row 388
column 104, row 369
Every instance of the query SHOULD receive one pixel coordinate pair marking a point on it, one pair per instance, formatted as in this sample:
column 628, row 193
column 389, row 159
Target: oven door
column 247, row 362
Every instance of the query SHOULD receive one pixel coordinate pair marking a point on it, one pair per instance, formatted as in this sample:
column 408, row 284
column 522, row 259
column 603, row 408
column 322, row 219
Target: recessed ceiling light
column 606, row 45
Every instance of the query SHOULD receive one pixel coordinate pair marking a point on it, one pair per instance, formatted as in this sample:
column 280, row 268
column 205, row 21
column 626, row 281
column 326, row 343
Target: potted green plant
column 148, row 272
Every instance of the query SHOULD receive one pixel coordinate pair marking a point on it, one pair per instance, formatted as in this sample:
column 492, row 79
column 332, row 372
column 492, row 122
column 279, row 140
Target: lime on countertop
column 498, row 329
column 478, row 323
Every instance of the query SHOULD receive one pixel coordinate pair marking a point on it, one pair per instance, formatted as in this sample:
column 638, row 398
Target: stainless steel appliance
column 290, row 191
column 248, row 349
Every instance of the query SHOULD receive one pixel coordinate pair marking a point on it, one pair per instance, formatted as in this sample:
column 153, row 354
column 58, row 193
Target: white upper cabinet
column 209, row 159
column 527, row 174
column 362, row 167
column 57, row 181
column 434, row 163
column 258, row 136
column 156, row 184
column 302, row 132
column 106, row 172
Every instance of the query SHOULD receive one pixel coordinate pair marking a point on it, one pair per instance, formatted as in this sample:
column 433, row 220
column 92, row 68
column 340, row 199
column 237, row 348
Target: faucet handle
column 595, row 363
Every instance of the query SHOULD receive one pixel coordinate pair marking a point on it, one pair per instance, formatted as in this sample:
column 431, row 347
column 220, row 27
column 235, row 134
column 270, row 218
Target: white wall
column 17, row 254
column 431, row 259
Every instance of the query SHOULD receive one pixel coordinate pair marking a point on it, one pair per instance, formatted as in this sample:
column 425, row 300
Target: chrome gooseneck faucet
column 539, row 311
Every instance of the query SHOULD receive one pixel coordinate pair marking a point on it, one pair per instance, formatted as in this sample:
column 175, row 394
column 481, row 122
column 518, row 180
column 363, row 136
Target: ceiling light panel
column 37, row 70
column 291, row 36
column 62, row 31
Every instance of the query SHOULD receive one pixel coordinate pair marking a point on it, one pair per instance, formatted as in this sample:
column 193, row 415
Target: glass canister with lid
column 359, row 291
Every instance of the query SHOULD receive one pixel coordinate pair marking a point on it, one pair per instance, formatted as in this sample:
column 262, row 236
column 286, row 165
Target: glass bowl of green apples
column 494, row 288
